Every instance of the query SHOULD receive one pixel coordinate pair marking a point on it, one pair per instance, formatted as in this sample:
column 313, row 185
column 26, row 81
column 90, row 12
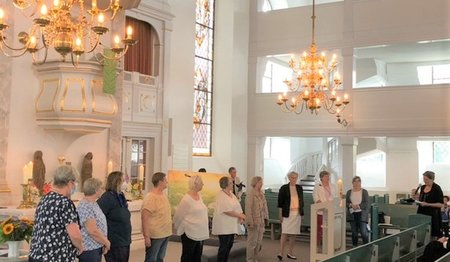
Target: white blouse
column 191, row 218
column 224, row 224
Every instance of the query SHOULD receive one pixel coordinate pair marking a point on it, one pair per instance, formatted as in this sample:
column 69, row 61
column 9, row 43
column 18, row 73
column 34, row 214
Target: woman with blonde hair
column 256, row 215
column 191, row 221
column 290, row 205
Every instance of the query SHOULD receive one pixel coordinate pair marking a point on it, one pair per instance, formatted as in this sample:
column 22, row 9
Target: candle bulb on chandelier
column 2, row 15
column 44, row 10
column 78, row 46
column 32, row 43
column 129, row 32
column 56, row 3
column 101, row 19
column 94, row 4
column 116, row 41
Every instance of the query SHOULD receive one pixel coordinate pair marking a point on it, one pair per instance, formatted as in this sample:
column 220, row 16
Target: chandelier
column 315, row 83
column 66, row 27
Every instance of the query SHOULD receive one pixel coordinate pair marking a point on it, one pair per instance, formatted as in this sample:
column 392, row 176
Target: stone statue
column 86, row 168
column 38, row 171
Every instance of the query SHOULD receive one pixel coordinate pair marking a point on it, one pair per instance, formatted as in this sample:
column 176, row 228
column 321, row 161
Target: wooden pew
column 399, row 247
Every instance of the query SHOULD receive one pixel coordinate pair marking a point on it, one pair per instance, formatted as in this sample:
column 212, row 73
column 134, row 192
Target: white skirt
column 291, row 225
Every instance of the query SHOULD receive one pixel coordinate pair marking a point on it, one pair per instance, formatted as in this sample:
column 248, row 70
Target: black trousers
column 226, row 243
column 191, row 250
column 118, row 254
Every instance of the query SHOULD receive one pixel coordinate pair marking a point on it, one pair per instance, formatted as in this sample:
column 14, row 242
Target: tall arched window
column 203, row 75
column 139, row 58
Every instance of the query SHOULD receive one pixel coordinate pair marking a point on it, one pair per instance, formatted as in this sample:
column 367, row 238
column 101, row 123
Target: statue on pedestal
column 86, row 168
column 38, row 171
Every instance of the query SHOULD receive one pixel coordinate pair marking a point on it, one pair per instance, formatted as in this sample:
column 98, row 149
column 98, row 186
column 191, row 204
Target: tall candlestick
column 110, row 166
column 141, row 173
column 339, row 185
column 25, row 175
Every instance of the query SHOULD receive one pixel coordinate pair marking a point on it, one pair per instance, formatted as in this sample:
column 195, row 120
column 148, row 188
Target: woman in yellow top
column 156, row 220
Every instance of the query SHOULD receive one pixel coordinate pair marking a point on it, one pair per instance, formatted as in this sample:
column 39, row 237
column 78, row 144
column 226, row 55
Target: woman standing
column 323, row 192
column 93, row 223
column 358, row 206
column 156, row 220
column 227, row 217
column 257, row 213
column 115, row 207
column 56, row 233
column 191, row 222
column 431, row 199
column 290, row 205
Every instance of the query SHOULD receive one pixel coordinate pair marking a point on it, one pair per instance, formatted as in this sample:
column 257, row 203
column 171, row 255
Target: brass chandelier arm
column 43, row 60
column 4, row 43
column 101, row 57
column 24, row 50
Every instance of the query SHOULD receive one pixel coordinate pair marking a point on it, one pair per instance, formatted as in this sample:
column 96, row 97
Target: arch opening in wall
column 143, row 57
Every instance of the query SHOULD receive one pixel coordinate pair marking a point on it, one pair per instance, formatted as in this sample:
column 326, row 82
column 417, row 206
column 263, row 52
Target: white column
column 255, row 158
column 347, row 160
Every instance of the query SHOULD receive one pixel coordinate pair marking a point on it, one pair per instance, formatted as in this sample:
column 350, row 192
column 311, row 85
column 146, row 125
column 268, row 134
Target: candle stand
column 27, row 198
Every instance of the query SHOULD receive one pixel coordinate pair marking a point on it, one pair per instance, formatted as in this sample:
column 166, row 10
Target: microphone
column 417, row 189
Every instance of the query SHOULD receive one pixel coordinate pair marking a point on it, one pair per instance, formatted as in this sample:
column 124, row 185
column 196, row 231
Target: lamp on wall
column 65, row 27
column 315, row 83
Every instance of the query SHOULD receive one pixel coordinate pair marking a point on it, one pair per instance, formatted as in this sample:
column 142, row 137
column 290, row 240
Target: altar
column 134, row 207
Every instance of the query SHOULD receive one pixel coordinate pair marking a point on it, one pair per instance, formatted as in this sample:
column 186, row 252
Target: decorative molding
column 74, row 95
column 47, row 93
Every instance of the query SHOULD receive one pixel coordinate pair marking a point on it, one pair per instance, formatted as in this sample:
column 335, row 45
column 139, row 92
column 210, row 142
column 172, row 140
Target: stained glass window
column 203, row 75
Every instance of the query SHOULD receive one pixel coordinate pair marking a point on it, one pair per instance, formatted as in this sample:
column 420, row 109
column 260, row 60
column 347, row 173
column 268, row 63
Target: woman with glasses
column 431, row 200
column 56, row 232
column 226, row 219
column 156, row 219
column 93, row 223
column 358, row 207
column 115, row 207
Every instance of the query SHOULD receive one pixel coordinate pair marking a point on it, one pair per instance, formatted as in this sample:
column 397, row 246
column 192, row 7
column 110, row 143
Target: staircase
column 308, row 167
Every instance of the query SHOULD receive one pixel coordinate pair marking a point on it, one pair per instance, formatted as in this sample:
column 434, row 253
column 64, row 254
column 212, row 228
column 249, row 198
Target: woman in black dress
column 431, row 199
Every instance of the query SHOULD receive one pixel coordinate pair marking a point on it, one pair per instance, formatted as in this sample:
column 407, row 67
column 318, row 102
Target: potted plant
column 13, row 231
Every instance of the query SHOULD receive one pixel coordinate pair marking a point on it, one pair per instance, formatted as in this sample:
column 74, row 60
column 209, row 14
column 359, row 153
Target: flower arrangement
column 47, row 188
column 15, row 229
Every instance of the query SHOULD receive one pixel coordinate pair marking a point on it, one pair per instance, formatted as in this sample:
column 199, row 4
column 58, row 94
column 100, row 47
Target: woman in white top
column 191, row 221
column 323, row 192
column 227, row 217
column 358, row 206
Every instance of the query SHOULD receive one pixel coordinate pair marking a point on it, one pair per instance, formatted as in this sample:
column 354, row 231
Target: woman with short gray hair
column 56, row 233
column 256, row 215
column 93, row 223
column 226, row 219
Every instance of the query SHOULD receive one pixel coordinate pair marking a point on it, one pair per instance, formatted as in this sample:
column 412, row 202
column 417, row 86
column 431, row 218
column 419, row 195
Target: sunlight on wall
column 371, row 167
column 277, row 160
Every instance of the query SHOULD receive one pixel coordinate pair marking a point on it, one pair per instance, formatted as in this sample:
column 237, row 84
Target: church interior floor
column 269, row 251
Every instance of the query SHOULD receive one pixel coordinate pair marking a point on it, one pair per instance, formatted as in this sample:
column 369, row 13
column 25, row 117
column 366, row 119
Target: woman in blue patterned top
column 56, row 232
column 93, row 223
